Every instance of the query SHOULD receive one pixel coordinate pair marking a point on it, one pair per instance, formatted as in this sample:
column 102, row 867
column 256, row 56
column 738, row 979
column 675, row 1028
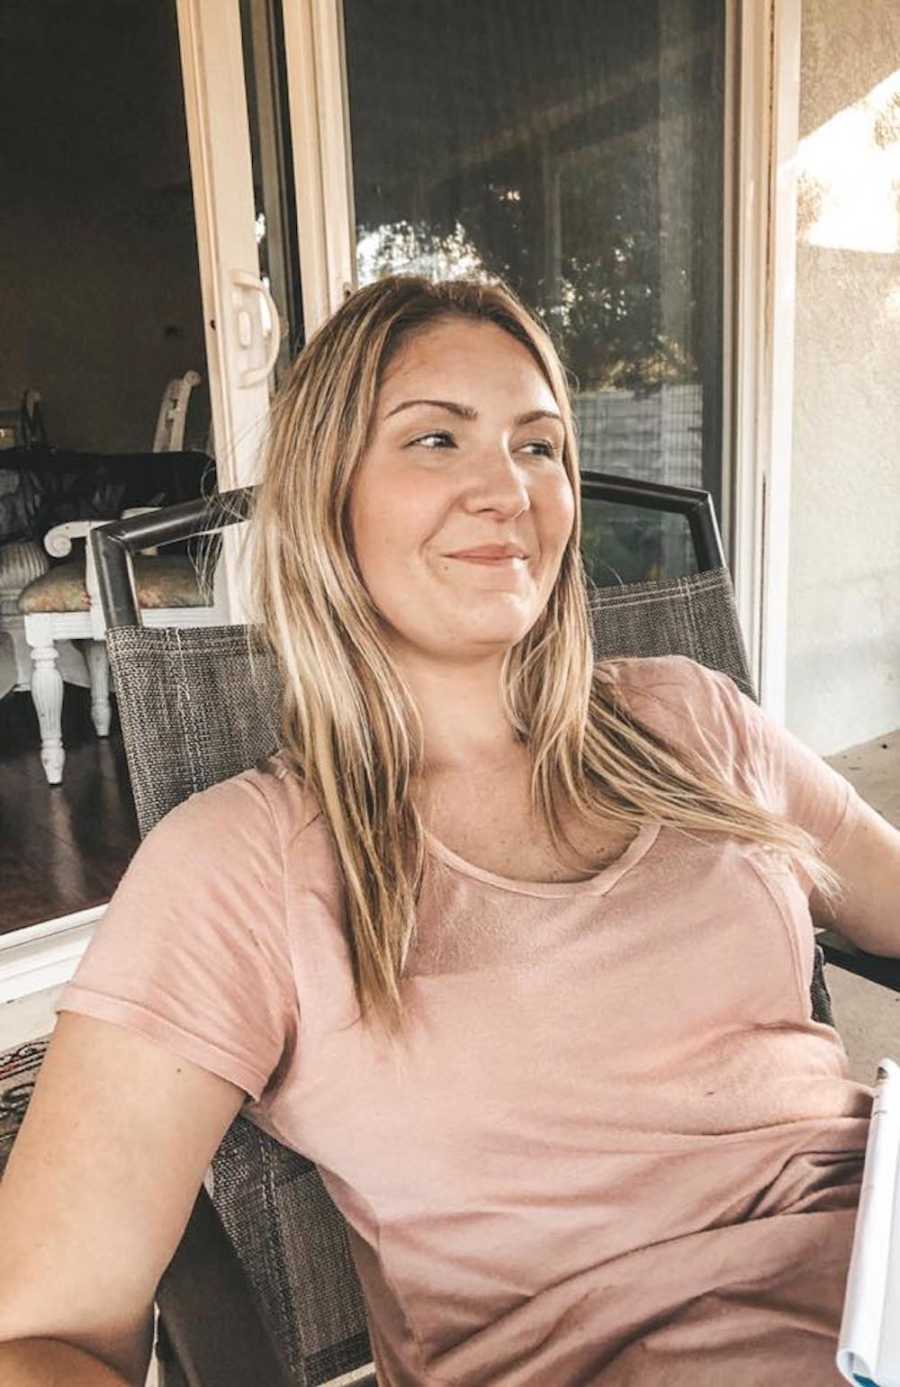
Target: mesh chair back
column 694, row 616
column 192, row 709
column 192, row 713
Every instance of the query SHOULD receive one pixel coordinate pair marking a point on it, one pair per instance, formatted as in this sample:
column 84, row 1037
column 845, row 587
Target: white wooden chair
column 64, row 604
column 59, row 605
column 21, row 561
column 24, row 560
column 169, row 436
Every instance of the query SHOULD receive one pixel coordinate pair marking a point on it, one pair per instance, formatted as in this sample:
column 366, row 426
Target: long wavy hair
column 350, row 729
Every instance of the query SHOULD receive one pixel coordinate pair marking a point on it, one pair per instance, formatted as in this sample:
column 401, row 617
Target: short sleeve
column 798, row 783
column 705, row 711
column 192, row 948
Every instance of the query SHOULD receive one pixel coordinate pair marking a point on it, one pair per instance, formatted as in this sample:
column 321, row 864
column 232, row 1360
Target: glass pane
column 274, row 200
column 575, row 149
column 101, row 310
column 630, row 544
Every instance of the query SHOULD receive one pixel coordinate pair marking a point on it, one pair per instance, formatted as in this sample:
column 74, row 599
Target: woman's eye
column 435, row 434
column 548, row 448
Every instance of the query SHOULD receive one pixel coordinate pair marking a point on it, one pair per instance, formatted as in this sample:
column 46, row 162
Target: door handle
column 255, row 375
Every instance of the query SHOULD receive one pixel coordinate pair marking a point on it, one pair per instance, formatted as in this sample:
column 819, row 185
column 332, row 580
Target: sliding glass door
column 574, row 148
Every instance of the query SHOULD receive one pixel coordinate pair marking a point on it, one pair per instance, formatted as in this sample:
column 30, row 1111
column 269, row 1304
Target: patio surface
column 868, row 1016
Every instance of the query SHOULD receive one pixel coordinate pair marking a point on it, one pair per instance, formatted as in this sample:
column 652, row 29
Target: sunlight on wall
column 849, row 175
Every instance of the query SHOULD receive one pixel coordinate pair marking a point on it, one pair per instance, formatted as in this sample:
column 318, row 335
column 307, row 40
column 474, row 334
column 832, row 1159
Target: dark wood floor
column 63, row 847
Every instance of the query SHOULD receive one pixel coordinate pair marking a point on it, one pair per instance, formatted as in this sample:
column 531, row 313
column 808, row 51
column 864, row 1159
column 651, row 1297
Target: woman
column 517, row 948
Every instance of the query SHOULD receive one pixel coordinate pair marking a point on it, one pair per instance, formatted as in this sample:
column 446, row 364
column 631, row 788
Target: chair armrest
column 843, row 954
column 208, row 1313
column 58, row 541
column 141, row 510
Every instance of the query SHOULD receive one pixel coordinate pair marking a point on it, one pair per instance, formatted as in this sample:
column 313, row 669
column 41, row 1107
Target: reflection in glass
column 575, row 150
column 630, row 544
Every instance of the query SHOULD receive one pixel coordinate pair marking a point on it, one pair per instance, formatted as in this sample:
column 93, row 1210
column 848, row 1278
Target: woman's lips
column 510, row 561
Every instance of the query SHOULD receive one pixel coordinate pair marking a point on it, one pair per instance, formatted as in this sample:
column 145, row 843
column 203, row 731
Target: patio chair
column 261, row 1288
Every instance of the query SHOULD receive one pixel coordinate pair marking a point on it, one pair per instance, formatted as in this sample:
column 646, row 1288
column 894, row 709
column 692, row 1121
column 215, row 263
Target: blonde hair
column 350, row 730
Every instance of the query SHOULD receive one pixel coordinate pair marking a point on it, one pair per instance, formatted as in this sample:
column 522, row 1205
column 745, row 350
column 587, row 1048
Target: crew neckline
column 597, row 885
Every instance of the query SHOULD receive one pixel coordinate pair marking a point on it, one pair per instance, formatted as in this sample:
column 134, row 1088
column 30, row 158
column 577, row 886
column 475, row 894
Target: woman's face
column 485, row 467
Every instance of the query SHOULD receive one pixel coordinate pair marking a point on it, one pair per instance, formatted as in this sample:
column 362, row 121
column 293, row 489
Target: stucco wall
column 843, row 674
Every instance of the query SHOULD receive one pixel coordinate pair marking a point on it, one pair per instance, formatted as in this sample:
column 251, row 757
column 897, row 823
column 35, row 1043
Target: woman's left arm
column 798, row 784
column 868, row 863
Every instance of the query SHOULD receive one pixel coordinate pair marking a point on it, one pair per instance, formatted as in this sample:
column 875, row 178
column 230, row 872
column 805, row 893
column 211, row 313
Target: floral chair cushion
column 169, row 581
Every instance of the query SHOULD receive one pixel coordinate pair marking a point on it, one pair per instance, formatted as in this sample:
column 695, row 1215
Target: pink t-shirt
column 616, row 1148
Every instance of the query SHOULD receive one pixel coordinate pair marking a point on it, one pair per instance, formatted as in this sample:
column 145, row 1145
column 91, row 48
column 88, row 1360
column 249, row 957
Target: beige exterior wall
column 843, row 668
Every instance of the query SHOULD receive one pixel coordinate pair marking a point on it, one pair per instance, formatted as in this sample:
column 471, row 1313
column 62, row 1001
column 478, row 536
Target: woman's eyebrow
column 467, row 412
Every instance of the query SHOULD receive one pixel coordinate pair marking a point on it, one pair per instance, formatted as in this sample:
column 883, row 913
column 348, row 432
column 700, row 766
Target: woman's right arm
column 96, row 1195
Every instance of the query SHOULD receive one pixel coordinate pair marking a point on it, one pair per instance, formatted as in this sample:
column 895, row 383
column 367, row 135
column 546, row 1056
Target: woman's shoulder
column 264, row 802
column 687, row 703
column 657, row 676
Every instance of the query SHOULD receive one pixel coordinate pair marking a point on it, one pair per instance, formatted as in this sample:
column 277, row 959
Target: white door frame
column 239, row 350
column 764, row 258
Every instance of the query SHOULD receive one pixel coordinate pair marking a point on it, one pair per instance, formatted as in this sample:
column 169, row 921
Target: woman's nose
column 499, row 479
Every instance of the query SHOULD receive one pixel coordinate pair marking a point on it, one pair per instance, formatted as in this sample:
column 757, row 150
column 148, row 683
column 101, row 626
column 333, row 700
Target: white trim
column 46, row 954
column 323, row 168
column 730, row 119
column 765, row 196
column 781, row 319
column 237, row 347
column 751, row 204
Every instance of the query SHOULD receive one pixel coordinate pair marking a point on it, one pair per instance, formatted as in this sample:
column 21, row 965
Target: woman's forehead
column 459, row 350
